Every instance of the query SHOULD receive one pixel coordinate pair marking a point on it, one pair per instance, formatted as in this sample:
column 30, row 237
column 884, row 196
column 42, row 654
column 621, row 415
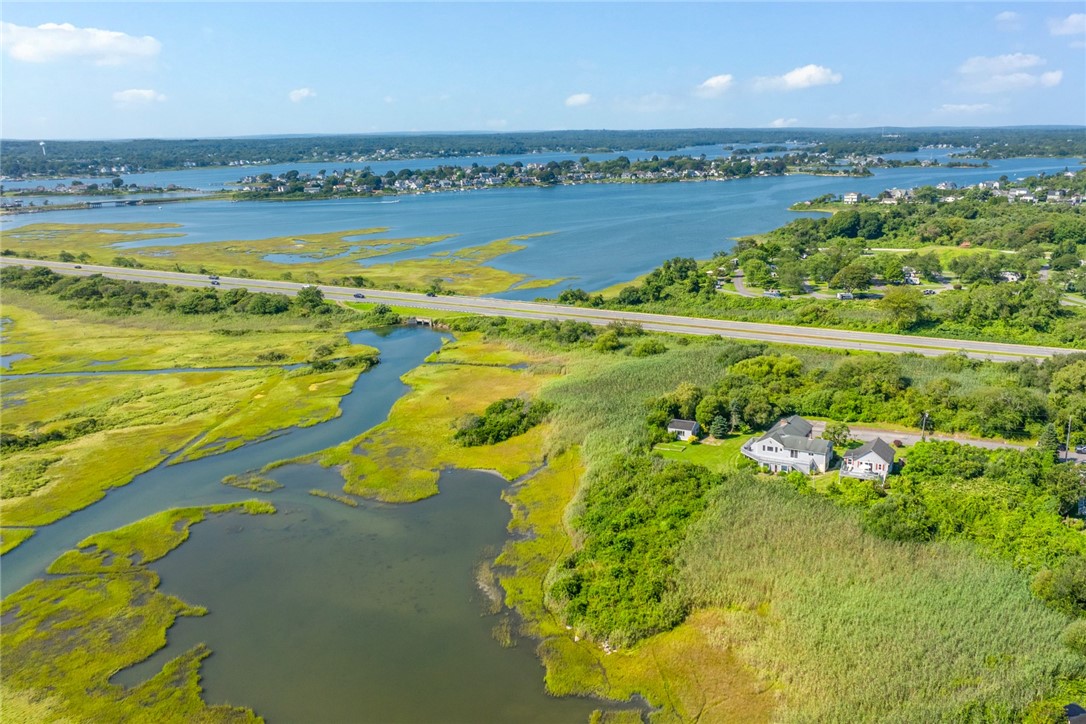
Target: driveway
column 870, row 432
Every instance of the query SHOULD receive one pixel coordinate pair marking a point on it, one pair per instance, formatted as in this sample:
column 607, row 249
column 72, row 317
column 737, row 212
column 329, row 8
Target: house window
column 793, row 453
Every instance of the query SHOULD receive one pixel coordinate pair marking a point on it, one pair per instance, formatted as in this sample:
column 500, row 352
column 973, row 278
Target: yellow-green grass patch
column 64, row 638
column 331, row 255
column 61, row 339
column 114, row 427
column 679, row 672
column 401, row 459
column 472, row 348
column 281, row 401
column 11, row 537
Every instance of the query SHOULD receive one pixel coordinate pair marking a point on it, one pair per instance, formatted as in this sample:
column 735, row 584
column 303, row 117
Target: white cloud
column 53, row 41
column 1003, row 73
column 1000, row 63
column 807, row 76
column 579, row 99
column 138, row 96
column 965, row 108
column 715, row 87
column 1073, row 24
column 1008, row 20
column 783, row 122
column 300, row 94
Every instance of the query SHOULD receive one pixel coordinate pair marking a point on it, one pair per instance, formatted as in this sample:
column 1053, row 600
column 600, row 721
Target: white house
column 788, row 446
column 871, row 461
column 683, row 429
column 1009, row 276
column 851, row 197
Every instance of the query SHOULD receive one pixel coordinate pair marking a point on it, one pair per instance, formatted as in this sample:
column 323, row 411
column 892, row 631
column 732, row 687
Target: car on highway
column 431, row 294
column 359, row 295
column 212, row 276
column 77, row 266
column 214, row 282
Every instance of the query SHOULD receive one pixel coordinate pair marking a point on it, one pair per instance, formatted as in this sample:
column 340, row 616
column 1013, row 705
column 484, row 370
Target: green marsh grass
column 850, row 627
column 65, row 637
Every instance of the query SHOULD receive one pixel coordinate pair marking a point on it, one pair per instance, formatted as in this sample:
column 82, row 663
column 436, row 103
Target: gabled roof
column 677, row 424
column 792, row 433
column 803, row 444
column 794, row 425
column 878, row 446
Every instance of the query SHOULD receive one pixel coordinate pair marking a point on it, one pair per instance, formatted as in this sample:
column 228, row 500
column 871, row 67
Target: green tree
column 1049, row 440
column 904, row 307
column 719, row 427
column 310, row 298
column 837, row 432
column 854, row 276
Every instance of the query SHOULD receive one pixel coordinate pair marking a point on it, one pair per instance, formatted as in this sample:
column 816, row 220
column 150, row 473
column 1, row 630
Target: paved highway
column 779, row 333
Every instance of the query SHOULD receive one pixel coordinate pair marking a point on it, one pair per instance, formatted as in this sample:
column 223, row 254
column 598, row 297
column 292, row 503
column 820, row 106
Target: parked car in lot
column 359, row 295
column 1080, row 449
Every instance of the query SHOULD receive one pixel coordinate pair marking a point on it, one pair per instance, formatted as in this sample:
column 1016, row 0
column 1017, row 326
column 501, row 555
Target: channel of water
column 324, row 612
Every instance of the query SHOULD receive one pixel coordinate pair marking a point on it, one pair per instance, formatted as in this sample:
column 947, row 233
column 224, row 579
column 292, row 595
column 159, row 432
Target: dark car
column 77, row 266
column 359, row 295
column 431, row 294
column 213, row 276
column 929, row 291
column 214, row 282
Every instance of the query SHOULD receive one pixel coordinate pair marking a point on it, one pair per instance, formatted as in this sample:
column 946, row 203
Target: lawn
column 716, row 455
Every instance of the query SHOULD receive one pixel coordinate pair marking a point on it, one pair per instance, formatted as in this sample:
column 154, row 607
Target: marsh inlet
column 329, row 613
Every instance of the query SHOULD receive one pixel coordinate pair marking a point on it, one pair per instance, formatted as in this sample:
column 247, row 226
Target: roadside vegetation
column 64, row 637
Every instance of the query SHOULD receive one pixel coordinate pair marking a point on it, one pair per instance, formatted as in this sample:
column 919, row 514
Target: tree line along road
column 777, row 333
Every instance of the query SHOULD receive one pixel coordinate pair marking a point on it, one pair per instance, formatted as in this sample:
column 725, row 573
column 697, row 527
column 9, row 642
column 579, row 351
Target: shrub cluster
column 620, row 585
column 502, row 420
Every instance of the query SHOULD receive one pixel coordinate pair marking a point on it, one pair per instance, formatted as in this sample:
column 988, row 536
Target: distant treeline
column 26, row 157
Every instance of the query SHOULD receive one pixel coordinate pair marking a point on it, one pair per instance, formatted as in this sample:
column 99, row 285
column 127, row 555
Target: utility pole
column 923, row 427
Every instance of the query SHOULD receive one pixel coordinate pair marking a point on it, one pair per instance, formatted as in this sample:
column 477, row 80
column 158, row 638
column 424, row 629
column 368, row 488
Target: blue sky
column 103, row 70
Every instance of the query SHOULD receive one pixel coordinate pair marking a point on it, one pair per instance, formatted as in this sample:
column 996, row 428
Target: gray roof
column 804, row 444
column 878, row 446
column 793, row 433
column 677, row 424
column 794, row 425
